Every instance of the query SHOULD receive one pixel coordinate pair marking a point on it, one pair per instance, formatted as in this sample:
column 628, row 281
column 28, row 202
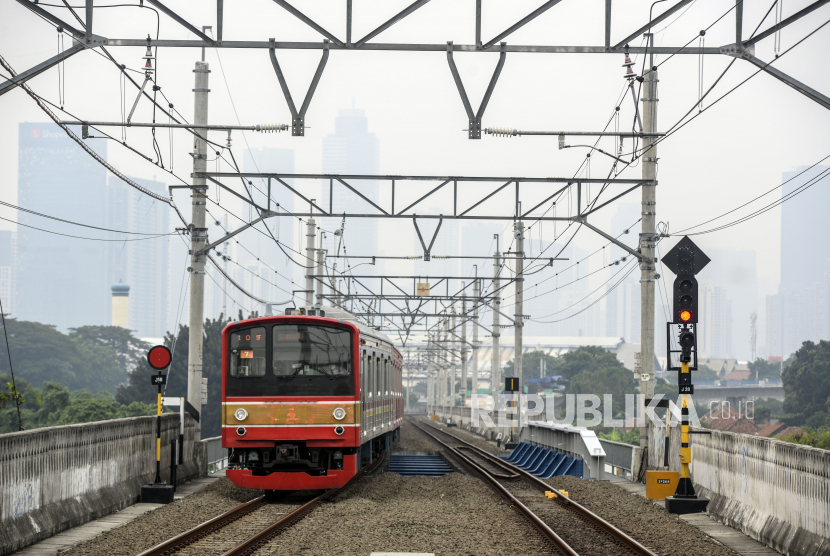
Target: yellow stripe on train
column 299, row 413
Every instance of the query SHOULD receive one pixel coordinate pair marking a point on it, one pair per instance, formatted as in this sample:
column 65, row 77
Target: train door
column 363, row 405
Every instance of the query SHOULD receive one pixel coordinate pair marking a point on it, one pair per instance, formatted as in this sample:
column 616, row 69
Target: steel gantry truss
column 86, row 39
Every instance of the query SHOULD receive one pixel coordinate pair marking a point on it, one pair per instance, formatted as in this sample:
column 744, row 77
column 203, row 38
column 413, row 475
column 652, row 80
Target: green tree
column 769, row 370
column 138, row 387
column 532, row 365
column 41, row 353
column 807, row 386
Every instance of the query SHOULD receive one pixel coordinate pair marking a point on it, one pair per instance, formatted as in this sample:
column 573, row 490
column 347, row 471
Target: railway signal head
column 685, row 259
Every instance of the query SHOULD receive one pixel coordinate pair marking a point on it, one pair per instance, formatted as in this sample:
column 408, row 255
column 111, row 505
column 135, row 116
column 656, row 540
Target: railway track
column 242, row 530
column 578, row 530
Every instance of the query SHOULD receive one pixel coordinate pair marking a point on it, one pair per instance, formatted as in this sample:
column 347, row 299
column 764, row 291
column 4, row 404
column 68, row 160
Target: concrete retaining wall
column 775, row 492
column 55, row 478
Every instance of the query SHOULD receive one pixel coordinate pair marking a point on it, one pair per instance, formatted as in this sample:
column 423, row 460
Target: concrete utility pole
column 519, row 315
column 321, row 261
column 476, row 301
column 495, row 364
column 647, row 241
column 198, row 241
column 225, row 277
column 430, row 389
column 464, row 346
column 408, row 389
column 310, row 234
column 453, row 370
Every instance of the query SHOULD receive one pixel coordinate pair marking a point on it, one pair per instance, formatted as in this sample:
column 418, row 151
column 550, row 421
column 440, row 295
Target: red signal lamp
column 685, row 316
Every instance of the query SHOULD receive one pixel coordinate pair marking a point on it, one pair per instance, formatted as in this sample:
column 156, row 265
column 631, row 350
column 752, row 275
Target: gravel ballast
column 640, row 518
column 450, row 515
column 167, row 521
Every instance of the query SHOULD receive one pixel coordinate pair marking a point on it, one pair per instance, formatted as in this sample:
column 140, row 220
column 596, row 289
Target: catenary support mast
column 198, row 240
column 647, row 242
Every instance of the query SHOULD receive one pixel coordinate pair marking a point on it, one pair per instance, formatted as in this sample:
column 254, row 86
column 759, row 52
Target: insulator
column 628, row 73
column 628, row 62
column 561, row 141
column 501, row 131
column 266, row 128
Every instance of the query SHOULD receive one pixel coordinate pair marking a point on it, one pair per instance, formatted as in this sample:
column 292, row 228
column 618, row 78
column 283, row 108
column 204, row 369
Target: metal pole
column 464, row 346
column 519, row 315
column 198, row 240
column 649, row 209
column 225, row 279
column 453, row 370
column 321, row 258
column 158, row 433
column 310, row 234
column 477, row 296
column 495, row 364
column 408, row 381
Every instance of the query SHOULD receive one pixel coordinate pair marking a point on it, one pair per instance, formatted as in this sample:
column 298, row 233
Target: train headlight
column 241, row 431
column 339, row 413
column 338, row 430
column 240, row 414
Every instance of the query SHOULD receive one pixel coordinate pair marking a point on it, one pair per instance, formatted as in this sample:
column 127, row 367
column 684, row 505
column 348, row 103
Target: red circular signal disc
column 159, row 357
column 685, row 316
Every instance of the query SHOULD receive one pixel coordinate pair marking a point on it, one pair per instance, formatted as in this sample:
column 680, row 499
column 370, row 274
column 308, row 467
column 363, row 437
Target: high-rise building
column 61, row 280
column 715, row 322
column 353, row 149
column 142, row 261
column 8, row 264
column 800, row 309
column 735, row 272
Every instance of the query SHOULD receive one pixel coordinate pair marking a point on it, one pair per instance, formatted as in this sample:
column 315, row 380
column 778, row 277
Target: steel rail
column 174, row 544
column 562, row 500
column 202, row 530
column 537, row 522
column 252, row 544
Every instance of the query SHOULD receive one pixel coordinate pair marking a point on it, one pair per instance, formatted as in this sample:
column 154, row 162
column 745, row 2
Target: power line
column 77, row 223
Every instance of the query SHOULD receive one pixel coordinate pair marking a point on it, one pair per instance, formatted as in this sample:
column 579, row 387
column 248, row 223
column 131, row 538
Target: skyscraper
column 353, row 149
column 800, row 309
column 61, row 280
column 139, row 260
column 8, row 264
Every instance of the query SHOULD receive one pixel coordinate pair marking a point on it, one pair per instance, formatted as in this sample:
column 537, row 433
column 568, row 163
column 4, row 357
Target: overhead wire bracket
column 474, row 129
column 298, row 118
column 435, row 235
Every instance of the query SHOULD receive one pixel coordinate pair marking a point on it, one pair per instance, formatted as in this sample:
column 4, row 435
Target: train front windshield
column 290, row 360
column 302, row 350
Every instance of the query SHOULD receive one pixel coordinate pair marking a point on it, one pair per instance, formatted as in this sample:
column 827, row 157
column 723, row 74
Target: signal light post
column 685, row 260
column 159, row 358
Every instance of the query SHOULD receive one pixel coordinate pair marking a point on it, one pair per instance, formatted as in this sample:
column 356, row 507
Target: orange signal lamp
column 685, row 316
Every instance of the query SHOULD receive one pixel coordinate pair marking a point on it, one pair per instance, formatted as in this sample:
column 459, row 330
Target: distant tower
column 121, row 305
column 753, row 317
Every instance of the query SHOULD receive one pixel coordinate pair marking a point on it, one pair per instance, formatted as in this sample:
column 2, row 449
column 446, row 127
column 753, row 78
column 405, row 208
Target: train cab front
column 289, row 413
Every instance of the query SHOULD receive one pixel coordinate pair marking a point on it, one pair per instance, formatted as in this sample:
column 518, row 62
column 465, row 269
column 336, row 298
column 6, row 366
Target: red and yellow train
column 308, row 398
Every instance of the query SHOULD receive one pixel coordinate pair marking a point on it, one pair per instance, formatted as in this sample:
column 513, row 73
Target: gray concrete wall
column 55, row 478
column 775, row 492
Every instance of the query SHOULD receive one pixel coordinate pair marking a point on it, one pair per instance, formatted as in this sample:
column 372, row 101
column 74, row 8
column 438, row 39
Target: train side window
column 247, row 353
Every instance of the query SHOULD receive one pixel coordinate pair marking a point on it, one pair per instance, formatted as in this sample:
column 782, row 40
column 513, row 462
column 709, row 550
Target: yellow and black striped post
column 684, row 486
column 158, row 432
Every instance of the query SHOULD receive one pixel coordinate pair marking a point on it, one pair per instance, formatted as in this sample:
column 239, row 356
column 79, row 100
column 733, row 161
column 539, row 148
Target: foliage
column 138, row 387
column 703, row 372
column 594, row 370
column 807, row 386
column 531, row 366
column 817, row 438
column 90, row 357
column 621, row 435
column 55, row 405
column 767, row 409
column 768, row 370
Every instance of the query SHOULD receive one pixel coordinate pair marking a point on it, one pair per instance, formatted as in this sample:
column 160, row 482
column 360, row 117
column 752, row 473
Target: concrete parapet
column 775, row 492
column 55, row 478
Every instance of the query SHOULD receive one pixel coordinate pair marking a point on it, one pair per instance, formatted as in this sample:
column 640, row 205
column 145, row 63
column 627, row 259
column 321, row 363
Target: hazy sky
column 732, row 152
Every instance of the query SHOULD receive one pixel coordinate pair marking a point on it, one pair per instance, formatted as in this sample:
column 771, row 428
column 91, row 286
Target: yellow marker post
column 159, row 358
